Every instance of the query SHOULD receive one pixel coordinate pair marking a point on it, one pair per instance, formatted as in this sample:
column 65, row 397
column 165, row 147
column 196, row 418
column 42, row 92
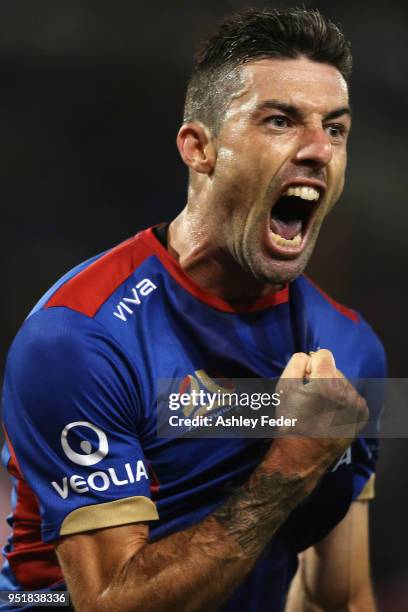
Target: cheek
column 338, row 177
column 229, row 162
column 231, row 186
column 339, row 186
column 225, row 156
column 237, row 171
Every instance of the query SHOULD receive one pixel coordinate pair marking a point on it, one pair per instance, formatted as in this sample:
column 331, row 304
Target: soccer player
column 127, row 520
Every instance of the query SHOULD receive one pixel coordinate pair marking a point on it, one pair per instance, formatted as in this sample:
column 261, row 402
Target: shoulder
column 63, row 364
column 324, row 304
column 88, row 286
column 62, row 339
column 343, row 329
column 59, row 351
column 66, row 317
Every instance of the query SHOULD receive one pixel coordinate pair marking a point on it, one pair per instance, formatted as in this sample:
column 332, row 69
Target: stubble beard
column 273, row 270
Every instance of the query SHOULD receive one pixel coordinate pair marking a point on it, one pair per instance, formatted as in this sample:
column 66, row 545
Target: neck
column 198, row 247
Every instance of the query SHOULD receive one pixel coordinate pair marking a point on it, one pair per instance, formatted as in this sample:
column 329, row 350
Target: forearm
column 334, row 575
column 197, row 569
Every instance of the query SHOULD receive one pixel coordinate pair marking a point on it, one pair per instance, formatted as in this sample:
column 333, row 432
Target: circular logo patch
column 89, row 456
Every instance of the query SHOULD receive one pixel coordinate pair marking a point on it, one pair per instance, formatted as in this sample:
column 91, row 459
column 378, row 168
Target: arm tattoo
column 256, row 510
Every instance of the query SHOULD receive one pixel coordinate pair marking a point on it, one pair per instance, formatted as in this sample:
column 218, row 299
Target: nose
column 315, row 148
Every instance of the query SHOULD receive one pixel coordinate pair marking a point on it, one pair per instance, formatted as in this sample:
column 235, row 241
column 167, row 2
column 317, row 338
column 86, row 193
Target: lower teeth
column 294, row 242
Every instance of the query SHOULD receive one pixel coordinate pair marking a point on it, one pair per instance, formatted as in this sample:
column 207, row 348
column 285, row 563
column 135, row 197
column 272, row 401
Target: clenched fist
column 328, row 410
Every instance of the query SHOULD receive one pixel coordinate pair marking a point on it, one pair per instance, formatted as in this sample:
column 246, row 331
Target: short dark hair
column 251, row 35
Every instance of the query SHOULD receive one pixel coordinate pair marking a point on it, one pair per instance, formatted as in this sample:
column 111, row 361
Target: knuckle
column 325, row 353
column 299, row 355
column 362, row 405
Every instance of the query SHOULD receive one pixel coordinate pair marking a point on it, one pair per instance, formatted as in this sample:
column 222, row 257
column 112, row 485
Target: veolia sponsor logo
column 100, row 480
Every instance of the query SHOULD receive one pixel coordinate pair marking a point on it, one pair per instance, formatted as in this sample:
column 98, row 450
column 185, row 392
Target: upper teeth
column 306, row 193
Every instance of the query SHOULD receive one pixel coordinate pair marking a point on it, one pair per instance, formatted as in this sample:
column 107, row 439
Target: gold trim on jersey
column 109, row 514
column 368, row 491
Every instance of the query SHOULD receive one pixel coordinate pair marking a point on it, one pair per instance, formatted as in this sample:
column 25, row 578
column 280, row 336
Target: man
column 142, row 522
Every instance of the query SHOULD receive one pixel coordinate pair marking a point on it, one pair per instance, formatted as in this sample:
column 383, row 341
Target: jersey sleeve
column 372, row 386
column 73, row 418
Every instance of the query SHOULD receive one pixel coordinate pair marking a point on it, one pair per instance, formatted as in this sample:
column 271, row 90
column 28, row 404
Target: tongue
column 286, row 229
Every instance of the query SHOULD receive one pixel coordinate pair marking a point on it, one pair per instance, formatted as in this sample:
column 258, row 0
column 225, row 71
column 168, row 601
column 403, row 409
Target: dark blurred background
column 91, row 97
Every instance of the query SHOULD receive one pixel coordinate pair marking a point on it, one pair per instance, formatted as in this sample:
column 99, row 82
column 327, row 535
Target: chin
column 278, row 271
column 281, row 275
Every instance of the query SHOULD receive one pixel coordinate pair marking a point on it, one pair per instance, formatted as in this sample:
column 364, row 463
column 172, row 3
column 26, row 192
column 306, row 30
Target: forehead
column 304, row 83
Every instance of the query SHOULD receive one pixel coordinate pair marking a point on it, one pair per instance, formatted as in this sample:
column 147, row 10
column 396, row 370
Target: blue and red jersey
column 80, row 410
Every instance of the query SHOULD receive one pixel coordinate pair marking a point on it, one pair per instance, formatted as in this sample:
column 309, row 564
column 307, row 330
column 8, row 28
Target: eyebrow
column 296, row 113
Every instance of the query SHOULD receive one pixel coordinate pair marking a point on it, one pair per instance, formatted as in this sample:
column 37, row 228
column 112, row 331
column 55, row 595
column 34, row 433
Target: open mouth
column 291, row 216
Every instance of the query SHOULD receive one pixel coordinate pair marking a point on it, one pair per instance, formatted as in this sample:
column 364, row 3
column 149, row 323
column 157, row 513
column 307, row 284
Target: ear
column 196, row 147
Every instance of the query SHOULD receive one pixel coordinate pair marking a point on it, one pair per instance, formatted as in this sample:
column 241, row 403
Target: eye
column 278, row 121
column 336, row 131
